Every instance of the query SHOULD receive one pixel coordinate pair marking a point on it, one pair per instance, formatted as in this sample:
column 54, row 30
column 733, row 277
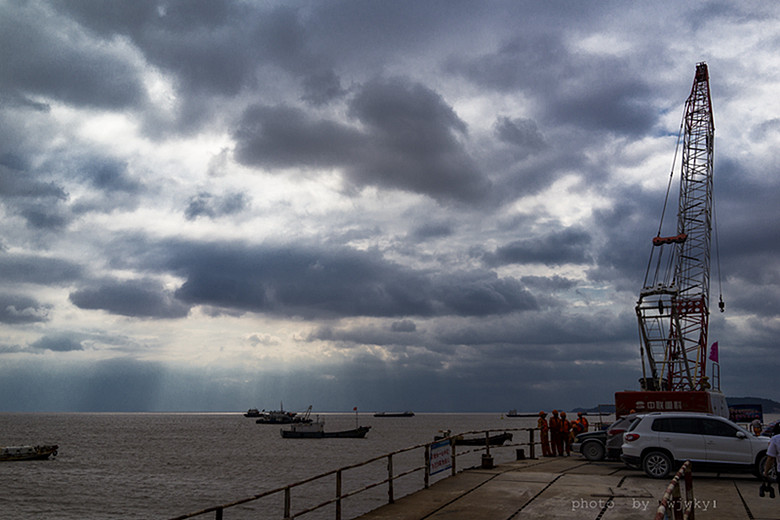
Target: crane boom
column 673, row 306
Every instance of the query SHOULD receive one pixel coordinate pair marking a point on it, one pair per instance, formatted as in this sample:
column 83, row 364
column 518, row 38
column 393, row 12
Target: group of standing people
column 558, row 433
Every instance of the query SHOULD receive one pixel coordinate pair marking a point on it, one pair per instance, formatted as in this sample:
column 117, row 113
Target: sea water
column 118, row 465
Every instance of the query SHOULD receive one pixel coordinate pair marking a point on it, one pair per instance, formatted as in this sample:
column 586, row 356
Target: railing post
column 287, row 502
column 676, row 503
column 218, row 515
column 689, row 500
column 452, row 446
column 531, row 442
column 390, row 498
column 427, row 477
column 338, row 495
column 487, row 443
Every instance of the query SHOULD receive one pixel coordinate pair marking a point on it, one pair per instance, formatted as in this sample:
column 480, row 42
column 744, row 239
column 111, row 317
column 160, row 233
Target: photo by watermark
column 641, row 504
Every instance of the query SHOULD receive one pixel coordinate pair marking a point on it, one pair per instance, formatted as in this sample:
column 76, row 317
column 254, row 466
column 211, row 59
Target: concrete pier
column 572, row 487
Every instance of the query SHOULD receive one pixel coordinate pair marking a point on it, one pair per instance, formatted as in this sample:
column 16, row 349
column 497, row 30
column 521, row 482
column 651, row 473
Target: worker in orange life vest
column 583, row 421
column 543, row 434
column 565, row 435
column 555, row 434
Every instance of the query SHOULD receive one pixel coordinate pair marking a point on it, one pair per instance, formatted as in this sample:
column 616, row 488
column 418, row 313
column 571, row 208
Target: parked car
column 659, row 442
column 601, row 444
column 769, row 428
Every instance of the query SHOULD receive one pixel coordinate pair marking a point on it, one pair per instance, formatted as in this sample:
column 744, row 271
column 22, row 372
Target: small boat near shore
column 316, row 430
column 460, row 440
column 394, row 414
column 252, row 412
column 12, row 453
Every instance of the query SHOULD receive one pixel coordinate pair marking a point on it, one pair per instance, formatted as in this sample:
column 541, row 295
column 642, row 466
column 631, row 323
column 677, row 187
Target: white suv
column 658, row 442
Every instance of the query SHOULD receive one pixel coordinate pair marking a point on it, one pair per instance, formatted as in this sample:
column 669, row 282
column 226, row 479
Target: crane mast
column 673, row 306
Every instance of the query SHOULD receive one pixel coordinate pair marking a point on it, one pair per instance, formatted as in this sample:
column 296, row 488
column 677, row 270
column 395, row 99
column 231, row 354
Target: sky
column 407, row 205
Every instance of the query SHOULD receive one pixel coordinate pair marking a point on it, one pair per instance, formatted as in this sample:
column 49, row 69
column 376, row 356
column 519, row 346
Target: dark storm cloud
column 217, row 48
column 521, row 133
column 205, row 204
column 61, row 64
column 135, row 298
column 410, row 140
column 22, row 309
column 570, row 245
column 289, row 137
column 313, row 282
column 41, row 203
column 24, row 268
column 18, row 183
column 60, row 343
column 109, row 175
column 431, row 230
column 569, row 87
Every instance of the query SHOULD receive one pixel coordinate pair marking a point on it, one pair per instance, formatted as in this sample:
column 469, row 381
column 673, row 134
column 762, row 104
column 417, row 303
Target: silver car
column 659, row 442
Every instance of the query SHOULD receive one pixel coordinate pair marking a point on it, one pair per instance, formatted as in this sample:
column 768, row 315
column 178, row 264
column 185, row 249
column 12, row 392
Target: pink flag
column 714, row 352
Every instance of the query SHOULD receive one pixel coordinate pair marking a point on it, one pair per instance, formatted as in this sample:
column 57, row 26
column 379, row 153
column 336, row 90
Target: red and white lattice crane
column 673, row 306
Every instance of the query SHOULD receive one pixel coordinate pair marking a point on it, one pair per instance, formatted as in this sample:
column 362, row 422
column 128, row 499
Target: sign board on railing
column 441, row 458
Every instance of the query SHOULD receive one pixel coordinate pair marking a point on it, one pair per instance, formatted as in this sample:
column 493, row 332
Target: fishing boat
column 460, row 440
column 316, row 430
column 283, row 417
column 394, row 414
column 9, row 453
column 252, row 412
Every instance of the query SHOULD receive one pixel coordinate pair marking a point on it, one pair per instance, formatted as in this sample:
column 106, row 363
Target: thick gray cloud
column 205, row 204
column 22, row 309
column 319, row 282
column 557, row 248
column 32, row 269
column 66, row 67
column 137, row 298
column 409, row 141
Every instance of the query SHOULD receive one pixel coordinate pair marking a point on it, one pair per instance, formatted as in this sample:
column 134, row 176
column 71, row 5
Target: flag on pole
column 714, row 352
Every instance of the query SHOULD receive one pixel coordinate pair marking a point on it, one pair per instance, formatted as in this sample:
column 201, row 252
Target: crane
column 673, row 307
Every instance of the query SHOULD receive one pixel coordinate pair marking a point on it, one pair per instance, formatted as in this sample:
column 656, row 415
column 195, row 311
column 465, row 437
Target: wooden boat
column 9, row 453
column 394, row 414
column 459, row 440
column 316, row 430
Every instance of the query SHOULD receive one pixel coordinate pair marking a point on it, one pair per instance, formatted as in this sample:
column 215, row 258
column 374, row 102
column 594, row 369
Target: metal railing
column 388, row 478
column 681, row 510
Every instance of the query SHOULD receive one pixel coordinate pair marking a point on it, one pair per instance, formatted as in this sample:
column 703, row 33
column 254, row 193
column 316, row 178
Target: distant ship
column 513, row 413
column 316, row 430
column 394, row 414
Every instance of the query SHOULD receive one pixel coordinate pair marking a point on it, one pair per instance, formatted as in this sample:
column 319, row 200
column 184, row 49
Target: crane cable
column 671, row 174
column 721, row 303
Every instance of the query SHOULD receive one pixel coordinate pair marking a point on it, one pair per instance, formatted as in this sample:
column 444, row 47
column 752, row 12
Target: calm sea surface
column 114, row 466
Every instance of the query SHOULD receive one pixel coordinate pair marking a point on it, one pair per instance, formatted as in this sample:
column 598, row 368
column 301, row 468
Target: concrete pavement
column 572, row 487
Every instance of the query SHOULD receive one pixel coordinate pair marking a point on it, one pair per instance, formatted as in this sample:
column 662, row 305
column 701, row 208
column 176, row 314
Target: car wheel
column 759, row 470
column 657, row 464
column 593, row 450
